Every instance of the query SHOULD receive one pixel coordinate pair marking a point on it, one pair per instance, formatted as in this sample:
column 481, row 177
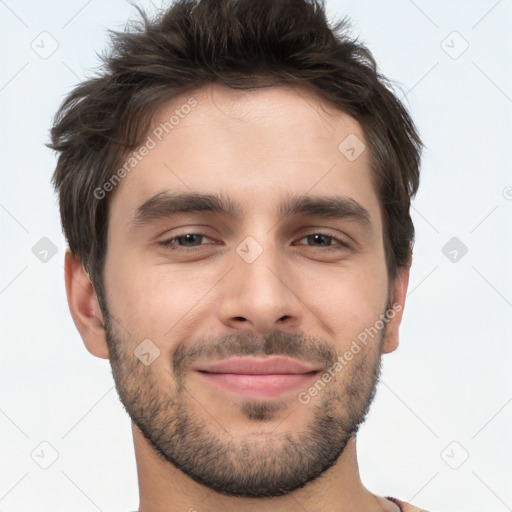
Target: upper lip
column 257, row 366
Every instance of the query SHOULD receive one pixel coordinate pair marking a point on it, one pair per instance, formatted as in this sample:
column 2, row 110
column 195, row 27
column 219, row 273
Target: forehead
column 253, row 144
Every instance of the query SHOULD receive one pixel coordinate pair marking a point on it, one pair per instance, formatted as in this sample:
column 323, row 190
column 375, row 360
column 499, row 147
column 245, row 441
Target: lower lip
column 259, row 386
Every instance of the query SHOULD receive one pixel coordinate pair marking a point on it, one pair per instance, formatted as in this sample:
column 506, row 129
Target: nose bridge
column 259, row 265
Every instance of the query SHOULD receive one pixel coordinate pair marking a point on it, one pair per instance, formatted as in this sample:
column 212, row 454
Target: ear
column 398, row 293
column 84, row 307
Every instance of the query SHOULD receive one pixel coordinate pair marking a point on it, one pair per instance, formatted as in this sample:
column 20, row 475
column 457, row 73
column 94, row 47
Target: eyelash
column 168, row 244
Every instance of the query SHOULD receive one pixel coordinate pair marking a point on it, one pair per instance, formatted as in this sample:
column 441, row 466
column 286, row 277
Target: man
column 235, row 189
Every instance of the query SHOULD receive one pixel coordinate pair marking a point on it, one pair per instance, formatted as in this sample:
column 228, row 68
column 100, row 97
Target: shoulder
column 405, row 507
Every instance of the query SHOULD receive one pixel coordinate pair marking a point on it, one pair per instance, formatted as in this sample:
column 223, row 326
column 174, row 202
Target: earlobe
column 394, row 314
column 84, row 307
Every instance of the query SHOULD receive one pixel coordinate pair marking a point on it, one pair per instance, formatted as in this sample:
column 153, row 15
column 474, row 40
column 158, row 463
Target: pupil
column 190, row 238
column 319, row 237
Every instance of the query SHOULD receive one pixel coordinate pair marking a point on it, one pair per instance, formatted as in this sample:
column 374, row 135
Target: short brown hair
column 245, row 44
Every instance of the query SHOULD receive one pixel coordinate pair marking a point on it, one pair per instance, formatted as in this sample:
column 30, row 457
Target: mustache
column 307, row 349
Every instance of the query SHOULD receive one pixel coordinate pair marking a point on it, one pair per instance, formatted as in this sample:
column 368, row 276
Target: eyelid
column 340, row 242
column 199, row 232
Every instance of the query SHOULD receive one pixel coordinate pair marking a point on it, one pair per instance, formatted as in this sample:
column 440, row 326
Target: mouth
column 258, row 377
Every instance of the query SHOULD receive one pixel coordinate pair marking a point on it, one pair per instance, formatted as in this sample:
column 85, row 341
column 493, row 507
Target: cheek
column 157, row 300
column 348, row 300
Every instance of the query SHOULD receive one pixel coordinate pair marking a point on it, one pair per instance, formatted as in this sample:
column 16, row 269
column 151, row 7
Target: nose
column 261, row 295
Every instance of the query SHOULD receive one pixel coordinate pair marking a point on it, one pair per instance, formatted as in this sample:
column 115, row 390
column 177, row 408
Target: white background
column 448, row 381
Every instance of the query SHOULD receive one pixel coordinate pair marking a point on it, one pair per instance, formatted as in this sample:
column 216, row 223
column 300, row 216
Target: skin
column 297, row 298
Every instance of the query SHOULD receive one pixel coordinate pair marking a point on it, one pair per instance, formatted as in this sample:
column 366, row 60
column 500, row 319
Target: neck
column 163, row 488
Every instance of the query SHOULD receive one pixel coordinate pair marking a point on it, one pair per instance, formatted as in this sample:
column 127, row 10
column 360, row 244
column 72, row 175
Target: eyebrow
column 166, row 204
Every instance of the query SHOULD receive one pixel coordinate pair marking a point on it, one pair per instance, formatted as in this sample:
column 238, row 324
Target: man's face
column 254, row 283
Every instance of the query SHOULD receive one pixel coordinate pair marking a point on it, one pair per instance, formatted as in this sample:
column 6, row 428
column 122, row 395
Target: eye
column 185, row 242
column 324, row 240
column 188, row 242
